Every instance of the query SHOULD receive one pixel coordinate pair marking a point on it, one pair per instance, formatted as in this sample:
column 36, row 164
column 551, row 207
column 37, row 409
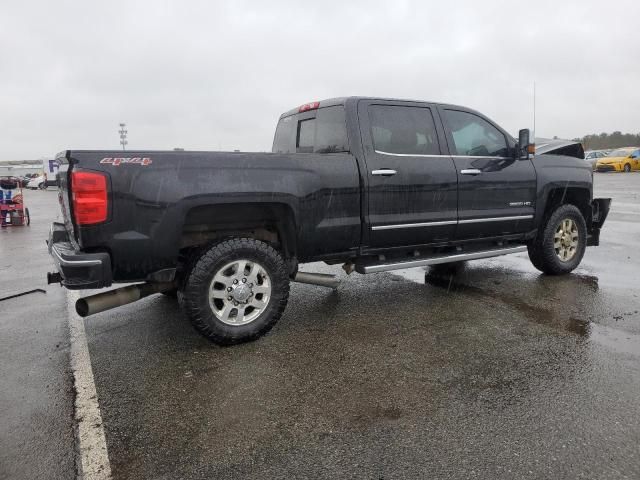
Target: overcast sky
column 216, row 75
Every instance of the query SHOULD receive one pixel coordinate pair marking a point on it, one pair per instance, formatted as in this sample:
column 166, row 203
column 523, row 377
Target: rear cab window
column 318, row 131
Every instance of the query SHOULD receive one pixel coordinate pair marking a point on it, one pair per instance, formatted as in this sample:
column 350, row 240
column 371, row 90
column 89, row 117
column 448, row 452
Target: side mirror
column 525, row 148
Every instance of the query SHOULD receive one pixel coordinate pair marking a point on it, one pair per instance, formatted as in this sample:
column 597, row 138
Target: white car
column 592, row 156
column 38, row 182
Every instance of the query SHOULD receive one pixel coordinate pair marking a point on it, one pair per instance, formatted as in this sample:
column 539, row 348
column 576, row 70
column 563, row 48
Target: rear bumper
column 599, row 211
column 78, row 270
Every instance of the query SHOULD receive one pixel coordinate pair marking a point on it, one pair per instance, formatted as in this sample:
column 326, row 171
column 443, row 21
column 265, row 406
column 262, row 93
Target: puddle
column 615, row 339
column 618, row 340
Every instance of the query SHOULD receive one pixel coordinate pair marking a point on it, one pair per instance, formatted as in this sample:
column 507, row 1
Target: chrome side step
column 385, row 267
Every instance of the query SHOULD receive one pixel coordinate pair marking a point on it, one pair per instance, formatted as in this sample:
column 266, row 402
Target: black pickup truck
column 375, row 184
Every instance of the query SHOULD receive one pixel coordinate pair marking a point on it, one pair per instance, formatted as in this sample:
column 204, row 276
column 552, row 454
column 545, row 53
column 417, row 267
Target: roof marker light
column 308, row 106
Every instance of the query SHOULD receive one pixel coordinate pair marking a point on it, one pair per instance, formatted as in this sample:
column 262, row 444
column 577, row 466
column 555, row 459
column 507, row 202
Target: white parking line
column 93, row 459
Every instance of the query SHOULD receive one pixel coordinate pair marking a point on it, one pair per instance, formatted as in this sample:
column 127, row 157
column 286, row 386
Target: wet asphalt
column 494, row 372
column 36, row 387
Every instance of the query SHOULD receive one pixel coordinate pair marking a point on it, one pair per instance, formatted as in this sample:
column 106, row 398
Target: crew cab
column 374, row 184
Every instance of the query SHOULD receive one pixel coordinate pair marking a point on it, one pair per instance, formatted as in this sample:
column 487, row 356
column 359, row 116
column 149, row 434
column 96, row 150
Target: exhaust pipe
column 120, row 296
column 321, row 279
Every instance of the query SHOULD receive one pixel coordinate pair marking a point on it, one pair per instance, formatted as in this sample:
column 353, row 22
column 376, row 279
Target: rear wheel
column 627, row 168
column 559, row 246
column 236, row 291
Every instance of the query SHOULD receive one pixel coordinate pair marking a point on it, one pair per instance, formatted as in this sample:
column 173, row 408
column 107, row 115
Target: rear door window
column 403, row 130
column 474, row 136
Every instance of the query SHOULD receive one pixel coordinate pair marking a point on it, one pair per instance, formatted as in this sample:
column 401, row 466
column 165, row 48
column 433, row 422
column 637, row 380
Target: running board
column 459, row 257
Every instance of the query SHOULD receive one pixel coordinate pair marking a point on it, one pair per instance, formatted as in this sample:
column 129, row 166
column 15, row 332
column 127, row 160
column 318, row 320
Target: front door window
column 474, row 136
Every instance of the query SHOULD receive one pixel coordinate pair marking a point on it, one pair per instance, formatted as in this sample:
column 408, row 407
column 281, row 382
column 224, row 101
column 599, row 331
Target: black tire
column 627, row 168
column 194, row 296
column 42, row 186
column 542, row 252
column 27, row 217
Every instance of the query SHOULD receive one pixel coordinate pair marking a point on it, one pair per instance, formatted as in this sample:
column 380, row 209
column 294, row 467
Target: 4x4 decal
column 115, row 161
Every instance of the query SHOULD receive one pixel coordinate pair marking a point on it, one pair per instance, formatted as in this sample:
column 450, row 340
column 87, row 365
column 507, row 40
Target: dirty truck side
column 373, row 184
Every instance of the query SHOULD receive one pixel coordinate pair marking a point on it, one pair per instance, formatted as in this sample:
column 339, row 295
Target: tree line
column 609, row 140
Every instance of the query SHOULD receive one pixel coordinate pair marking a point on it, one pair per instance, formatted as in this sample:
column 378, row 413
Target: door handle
column 470, row 171
column 385, row 172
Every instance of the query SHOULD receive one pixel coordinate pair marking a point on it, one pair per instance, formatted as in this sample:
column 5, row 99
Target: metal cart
column 13, row 212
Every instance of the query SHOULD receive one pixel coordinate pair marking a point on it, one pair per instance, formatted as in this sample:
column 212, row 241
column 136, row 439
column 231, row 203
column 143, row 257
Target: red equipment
column 13, row 213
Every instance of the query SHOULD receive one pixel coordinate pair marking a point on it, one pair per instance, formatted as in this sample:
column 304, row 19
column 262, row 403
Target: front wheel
column 236, row 291
column 627, row 168
column 559, row 246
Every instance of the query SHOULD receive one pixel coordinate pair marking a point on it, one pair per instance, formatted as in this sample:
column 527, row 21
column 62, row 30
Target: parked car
column 592, row 156
column 25, row 179
column 375, row 184
column 39, row 182
column 620, row 160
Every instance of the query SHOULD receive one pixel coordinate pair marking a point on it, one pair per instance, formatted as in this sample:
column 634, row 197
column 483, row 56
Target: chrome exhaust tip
column 320, row 279
column 120, row 296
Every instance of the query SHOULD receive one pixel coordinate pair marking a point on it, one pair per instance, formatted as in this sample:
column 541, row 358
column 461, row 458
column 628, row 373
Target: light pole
column 123, row 135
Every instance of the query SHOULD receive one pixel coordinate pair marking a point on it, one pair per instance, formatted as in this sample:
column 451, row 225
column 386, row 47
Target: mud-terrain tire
column 236, row 290
column 560, row 243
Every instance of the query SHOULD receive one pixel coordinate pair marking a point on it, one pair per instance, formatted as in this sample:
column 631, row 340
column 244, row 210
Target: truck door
column 496, row 190
column 412, row 183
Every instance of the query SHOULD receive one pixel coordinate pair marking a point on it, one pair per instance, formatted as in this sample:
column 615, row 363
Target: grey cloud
column 210, row 75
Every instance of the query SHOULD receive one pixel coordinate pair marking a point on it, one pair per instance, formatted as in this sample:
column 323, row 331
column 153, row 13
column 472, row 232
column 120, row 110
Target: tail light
column 89, row 197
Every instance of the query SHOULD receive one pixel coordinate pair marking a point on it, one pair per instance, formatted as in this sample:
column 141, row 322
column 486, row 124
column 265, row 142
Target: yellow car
column 620, row 160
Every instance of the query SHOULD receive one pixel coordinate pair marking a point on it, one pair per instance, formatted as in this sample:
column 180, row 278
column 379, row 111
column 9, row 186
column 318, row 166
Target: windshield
column 622, row 152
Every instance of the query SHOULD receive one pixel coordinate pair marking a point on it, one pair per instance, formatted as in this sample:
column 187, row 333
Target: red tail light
column 89, row 197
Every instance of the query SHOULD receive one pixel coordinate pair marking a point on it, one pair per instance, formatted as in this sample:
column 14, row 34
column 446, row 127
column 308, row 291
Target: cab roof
column 330, row 102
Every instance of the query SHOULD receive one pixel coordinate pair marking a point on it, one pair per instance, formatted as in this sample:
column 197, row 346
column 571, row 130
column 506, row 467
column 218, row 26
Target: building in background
column 19, row 168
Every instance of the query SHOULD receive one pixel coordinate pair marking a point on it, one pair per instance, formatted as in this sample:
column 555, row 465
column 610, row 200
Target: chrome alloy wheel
column 239, row 292
column 565, row 240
